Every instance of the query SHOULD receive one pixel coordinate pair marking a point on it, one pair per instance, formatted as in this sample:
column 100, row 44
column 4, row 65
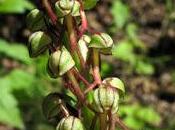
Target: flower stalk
column 52, row 15
column 96, row 63
column 73, row 41
column 103, row 121
column 76, row 86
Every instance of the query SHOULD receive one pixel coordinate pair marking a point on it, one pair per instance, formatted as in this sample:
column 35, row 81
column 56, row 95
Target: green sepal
column 64, row 7
column 89, row 4
column 116, row 83
column 35, row 20
column 103, row 42
column 70, row 123
column 76, row 9
column 82, row 44
column 60, row 62
column 66, row 61
column 38, row 43
column 51, row 106
column 105, row 99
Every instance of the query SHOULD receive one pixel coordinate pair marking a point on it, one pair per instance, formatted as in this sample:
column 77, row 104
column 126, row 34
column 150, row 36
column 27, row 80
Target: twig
column 111, row 121
column 73, row 40
column 84, row 25
column 81, row 77
column 76, row 87
column 96, row 69
column 120, row 123
column 92, row 86
column 49, row 11
column 103, row 121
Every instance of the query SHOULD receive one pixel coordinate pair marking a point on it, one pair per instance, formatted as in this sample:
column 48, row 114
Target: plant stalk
column 84, row 23
column 49, row 11
column 120, row 123
column 96, row 64
column 76, row 87
column 73, row 41
column 103, row 121
column 111, row 121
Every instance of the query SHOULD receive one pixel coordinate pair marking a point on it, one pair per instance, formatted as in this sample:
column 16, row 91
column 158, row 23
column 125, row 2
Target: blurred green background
column 143, row 57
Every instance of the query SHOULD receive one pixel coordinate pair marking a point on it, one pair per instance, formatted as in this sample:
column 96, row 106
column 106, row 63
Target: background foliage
column 143, row 57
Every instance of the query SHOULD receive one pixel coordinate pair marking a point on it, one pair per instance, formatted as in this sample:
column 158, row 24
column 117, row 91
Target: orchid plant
column 61, row 27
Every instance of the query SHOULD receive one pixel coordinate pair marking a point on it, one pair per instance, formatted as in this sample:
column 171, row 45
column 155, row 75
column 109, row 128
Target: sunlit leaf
column 148, row 115
column 15, row 51
column 121, row 13
column 89, row 4
column 124, row 51
column 14, row 6
column 132, row 32
column 9, row 111
column 143, row 67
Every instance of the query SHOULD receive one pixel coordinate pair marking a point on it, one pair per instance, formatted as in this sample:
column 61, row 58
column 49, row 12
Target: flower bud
column 105, row 99
column 70, row 123
column 60, row 62
column 103, row 42
column 82, row 43
column 116, row 83
column 64, row 7
column 76, row 9
column 35, row 20
column 38, row 43
column 51, row 106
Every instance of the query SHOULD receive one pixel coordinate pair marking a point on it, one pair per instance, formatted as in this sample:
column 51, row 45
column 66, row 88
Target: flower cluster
column 61, row 28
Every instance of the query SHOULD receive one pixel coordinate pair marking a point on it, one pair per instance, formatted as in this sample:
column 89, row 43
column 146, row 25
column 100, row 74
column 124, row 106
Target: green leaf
column 89, row 4
column 131, row 31
column 137, row 116
column 149, row 115
column 143, row 67
column 124, row 50
column 88, row 116
column 28, row 83
column 15, row 51
column 18, row 86
column 15, row 6
column 106, row 69
column 9, row 111
column 133, row 123
column 121, row 14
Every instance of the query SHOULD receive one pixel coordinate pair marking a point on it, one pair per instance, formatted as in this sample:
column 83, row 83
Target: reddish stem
column 50, row 12
column 84, row 24
column 96, row 74
column 81, row 77
column 111, row 121
column 75, row 86
column 73, row 39
column 92, row 86
column 89, row 86
column 120, row 123
column 96, row 69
